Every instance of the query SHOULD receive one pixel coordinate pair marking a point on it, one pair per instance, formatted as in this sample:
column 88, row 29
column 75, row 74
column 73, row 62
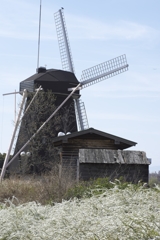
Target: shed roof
column 91, row 134
column 112, row 156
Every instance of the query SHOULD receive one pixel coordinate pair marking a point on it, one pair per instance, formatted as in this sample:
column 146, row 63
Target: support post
column 13, row 136
column 77, row 170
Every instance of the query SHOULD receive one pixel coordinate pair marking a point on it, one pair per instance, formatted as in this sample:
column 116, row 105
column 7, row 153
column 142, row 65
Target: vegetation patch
column 127, row 213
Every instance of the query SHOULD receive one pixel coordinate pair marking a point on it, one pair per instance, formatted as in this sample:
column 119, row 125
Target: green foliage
column 2, row 157
column 42, row 151
column 78, row 191
column 102, row 183
column 43, row 154
column 96, row 187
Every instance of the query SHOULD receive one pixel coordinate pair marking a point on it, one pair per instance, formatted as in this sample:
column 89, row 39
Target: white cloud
column 83, row 27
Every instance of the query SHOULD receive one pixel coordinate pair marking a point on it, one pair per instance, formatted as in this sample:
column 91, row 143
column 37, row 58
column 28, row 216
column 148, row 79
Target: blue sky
column 126, row 105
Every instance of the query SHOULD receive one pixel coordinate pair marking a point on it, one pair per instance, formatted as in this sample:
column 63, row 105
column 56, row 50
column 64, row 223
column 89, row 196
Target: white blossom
column 131, row 213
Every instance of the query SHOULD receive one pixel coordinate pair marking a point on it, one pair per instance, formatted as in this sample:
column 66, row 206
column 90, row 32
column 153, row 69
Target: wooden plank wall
column 130, row 172
column 69, row 162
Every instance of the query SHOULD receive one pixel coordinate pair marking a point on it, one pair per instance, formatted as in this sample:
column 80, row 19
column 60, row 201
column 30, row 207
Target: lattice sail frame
column 89, row 76
column 81, row 114
column 63, row 40
column 103, row 71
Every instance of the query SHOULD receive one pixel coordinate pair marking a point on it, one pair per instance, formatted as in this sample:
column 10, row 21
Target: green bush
column 96, row 187
column 2, row 157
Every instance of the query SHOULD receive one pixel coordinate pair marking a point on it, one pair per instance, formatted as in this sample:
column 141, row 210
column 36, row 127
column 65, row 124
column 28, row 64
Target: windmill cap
column 56, row 80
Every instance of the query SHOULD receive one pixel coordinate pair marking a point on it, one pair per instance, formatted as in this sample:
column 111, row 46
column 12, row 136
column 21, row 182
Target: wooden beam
column 90, row 143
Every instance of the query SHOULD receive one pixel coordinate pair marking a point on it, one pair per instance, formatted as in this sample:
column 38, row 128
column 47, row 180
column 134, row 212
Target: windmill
column 61, row 82
column 89, row 76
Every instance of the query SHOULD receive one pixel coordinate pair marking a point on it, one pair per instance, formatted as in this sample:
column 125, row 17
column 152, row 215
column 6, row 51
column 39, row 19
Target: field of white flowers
column 130, row 213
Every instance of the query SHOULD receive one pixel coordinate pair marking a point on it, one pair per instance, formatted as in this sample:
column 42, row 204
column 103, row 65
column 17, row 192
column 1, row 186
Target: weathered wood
column 130, row 172
column 101, row 155
column 93, row 163
column 112, row 156
column 92, row 138
column 92, row 143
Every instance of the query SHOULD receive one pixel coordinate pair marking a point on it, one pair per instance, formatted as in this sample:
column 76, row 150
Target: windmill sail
column 81, row 115
column 63, row 40
column 89, row 76
column 103, row 71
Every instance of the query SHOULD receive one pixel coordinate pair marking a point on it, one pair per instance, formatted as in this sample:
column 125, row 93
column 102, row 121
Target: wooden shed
column 131, row 165
column 92, row 153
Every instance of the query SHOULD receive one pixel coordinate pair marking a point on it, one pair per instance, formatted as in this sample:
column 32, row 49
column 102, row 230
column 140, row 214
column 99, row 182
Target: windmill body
column 58, row 81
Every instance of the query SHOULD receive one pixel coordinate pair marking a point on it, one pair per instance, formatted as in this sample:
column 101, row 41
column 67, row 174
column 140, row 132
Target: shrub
column 96, row 187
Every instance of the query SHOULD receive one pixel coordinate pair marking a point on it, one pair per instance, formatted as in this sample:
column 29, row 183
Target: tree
column 43, row 154
column 67, row 118
column 2, row 157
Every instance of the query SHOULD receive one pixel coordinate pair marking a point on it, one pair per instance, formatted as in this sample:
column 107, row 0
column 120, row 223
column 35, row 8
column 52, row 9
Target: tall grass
column 43, row 189
column 46, row 189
